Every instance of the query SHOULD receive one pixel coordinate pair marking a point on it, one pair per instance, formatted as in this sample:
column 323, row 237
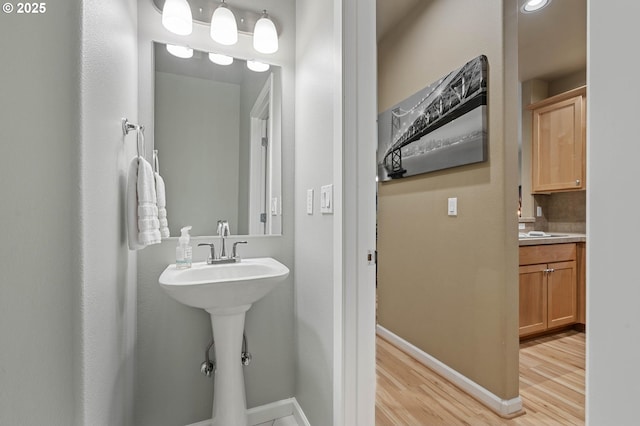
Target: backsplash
column 562, row 212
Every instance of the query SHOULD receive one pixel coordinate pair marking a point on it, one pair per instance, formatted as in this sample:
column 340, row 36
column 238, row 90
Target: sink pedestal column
column 229, row 399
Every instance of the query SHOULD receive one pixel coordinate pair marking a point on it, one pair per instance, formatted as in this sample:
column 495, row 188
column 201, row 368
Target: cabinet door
column 533, row 299
column 562, row 294
column 558, row 146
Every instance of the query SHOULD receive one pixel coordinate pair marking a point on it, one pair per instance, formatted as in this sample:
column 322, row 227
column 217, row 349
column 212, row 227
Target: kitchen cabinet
column 548, row 287
column 581, row 255
column 559, row 142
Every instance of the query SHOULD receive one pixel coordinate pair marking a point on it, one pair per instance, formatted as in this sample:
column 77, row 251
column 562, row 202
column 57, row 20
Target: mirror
column 217, row 129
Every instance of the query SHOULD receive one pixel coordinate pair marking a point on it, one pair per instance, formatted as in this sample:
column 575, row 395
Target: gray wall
column 613, row 317
column 38, row 169
column 316, row 83
column 107, row 268
column 171, row 338
column 67, row 297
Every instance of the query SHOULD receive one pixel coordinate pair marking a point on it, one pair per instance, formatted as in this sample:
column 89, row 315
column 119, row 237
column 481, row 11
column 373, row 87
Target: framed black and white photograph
column 443, row 125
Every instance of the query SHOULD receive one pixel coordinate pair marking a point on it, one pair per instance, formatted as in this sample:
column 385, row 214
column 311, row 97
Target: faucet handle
column 234, row 253
column 212, row 253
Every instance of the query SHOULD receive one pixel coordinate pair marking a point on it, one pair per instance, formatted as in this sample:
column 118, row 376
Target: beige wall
column 449, row 284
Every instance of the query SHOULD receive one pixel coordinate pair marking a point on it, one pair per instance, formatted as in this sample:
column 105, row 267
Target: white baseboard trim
column 502, row 407
column 298, row 414
column 272, row 411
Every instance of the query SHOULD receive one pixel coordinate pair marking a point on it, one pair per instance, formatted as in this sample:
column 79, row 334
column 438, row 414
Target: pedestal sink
column 226, row 291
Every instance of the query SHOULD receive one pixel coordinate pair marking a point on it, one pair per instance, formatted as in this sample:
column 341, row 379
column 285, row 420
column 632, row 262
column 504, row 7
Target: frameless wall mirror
column 217, row 129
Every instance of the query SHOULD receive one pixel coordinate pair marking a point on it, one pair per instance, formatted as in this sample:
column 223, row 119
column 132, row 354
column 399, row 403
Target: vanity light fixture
column 265, row 36
column 180, row 51
column 176, row 17
column 257, row 66
column 534, row 5
column 224, row 28
column 220, row 59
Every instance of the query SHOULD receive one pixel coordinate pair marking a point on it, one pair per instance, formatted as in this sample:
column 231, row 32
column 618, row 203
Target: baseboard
column 503, row 407
column 272, row 411
column 298, row 414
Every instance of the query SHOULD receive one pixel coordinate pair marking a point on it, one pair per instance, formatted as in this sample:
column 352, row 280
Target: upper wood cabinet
column 559, row 142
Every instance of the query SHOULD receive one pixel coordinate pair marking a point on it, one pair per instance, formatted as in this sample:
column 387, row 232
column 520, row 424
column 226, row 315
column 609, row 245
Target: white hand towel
column 143, row 225
column 162, row 206
column 148, row 222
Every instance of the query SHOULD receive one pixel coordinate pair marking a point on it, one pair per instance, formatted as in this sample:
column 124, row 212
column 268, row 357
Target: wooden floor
column 551, row 387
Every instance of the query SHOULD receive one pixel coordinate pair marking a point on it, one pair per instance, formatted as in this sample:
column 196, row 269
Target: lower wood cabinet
column 548, row 287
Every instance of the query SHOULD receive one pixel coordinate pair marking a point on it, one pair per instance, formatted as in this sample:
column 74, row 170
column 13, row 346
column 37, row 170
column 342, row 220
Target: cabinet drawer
column 531, row 255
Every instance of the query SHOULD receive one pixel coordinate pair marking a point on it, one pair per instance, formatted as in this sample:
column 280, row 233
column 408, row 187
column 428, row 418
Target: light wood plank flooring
column 551, row 387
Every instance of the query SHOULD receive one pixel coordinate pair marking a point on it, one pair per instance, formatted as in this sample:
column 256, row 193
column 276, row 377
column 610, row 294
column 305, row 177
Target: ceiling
column 551, row 42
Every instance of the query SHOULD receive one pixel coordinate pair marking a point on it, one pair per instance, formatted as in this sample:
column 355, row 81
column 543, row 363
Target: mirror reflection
column 217, row 130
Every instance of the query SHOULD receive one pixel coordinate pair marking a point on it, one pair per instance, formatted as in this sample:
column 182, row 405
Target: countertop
column 560, row 238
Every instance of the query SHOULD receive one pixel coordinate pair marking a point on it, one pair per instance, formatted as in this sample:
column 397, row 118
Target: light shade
column 180, row 51
column 265, row 36
column 534, row 5
column 257, row 66
column 220, row 59
column 224, row 29
column 176, row 17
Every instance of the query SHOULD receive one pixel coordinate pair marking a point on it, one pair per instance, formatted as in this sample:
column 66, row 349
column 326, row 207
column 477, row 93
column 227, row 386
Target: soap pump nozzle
column 184, row 235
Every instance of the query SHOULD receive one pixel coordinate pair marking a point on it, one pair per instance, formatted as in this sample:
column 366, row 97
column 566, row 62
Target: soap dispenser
column 184, row 252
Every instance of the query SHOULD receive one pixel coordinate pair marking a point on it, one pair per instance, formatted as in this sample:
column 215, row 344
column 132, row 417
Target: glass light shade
column 265, row 36
column 180, row 51
column 257, row 66
column 220, row 59
column 533, row 5
column 176, row 17
column 224, row 29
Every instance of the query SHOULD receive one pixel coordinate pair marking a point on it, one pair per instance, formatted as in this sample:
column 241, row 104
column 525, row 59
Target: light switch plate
column 309, row 201
column 326, row 199
column 452, row 208
column 274, row 206
column 521, row 227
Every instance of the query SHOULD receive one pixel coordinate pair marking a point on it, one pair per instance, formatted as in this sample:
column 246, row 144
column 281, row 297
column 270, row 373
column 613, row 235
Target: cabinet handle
column 547, row 271
column 577, row 182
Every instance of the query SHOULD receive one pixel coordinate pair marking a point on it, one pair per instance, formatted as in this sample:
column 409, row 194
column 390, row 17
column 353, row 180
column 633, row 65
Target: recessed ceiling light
column 534, row 5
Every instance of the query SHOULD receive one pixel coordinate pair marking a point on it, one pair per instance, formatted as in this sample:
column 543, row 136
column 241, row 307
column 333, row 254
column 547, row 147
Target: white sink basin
column 226, row 292
column 223, row 286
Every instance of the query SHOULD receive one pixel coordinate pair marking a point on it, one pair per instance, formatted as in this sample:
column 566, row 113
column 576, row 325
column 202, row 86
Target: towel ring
column 127, row 126
column 140, row 141
column 156, row 164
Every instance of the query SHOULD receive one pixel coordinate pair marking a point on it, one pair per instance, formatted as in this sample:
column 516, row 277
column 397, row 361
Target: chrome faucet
column 223, row 231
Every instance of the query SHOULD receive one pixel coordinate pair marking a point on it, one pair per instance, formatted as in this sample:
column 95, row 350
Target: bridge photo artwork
column 443, row 125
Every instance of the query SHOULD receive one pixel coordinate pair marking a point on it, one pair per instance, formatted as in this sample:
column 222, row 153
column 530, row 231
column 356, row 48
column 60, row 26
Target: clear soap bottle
column 184, row 252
